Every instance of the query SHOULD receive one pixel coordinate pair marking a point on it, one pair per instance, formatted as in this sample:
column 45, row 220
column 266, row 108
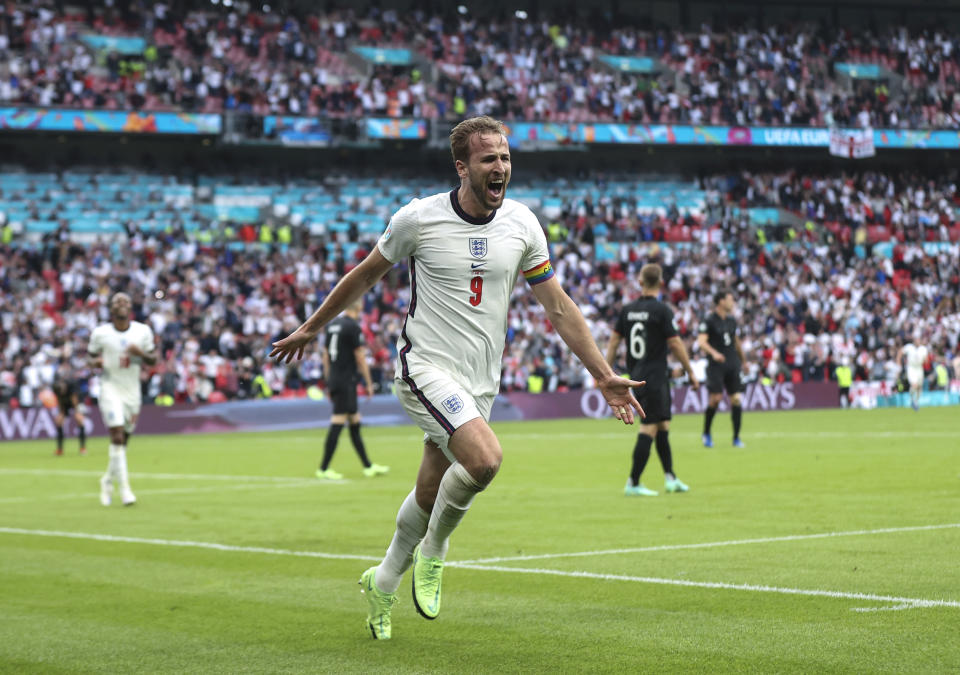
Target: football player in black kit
column 648, row 327
column 344, row 354
column 719, row 338
column 65, row 389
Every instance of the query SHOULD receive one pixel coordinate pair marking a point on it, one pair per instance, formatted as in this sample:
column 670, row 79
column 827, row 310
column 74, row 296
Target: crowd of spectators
column 856, row 208
column 803, row 309
column 804, row 306
column 231, row 56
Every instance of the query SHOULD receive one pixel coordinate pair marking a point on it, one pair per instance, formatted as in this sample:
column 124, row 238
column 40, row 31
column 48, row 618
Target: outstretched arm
column 357, row 282
column 570, row 324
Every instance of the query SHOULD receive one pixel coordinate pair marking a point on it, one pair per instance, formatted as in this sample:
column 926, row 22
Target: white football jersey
column 916, row 355
column 120, row 378
column 462, row 272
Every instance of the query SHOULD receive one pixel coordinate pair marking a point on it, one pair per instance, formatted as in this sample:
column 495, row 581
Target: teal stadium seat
column 40, row 226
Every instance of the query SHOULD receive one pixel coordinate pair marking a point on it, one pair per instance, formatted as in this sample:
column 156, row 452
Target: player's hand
column 292, row 346
column 746, row 368
column 134, row 350
column 616, row 391
column 694, row 382
column 720, row 358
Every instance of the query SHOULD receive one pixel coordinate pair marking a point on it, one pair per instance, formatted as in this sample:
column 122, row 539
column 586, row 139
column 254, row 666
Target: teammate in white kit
column 916, row 354
column 466, row 249
column 119, row 348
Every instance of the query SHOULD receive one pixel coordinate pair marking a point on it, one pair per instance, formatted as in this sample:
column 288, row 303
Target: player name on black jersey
column 645, row 325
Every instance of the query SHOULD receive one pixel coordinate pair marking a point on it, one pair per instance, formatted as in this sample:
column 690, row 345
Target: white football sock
column 411, row 526
column 456, row 493
column 120, row 466
column 111, row 474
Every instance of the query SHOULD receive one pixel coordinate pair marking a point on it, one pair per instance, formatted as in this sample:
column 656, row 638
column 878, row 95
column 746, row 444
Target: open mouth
column 495, row 188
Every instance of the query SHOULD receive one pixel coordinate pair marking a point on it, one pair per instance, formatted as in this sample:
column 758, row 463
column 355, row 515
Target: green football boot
column 375, row 470
column 427, row 573
column 675, row 485
column 638, row 490
column 379, row 605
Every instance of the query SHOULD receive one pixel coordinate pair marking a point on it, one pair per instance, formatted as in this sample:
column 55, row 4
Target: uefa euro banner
column 546, row 135
column 108, row 121
column 401, row 129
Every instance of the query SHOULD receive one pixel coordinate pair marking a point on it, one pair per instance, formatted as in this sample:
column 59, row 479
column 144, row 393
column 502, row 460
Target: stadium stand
column 546, row 67
column 215, row 266
column 828, row 263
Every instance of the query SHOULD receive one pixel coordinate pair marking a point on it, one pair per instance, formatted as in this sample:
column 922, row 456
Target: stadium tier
column 215, row 266
column 415, row 64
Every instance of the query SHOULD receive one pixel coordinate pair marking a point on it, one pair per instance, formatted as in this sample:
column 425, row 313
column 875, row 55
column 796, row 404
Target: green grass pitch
column 830, row 544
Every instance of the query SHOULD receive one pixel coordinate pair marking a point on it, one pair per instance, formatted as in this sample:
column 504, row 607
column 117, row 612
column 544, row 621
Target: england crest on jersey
column 478, row 248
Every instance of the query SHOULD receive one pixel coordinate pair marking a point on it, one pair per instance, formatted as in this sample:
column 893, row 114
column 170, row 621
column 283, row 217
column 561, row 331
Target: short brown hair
column 460, row 136
column 719, row 296
column 651, row 275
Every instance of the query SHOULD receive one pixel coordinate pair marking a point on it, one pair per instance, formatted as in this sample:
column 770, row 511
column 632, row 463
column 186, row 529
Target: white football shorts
column 915, row 376
column 439, row 406
column 119, row 412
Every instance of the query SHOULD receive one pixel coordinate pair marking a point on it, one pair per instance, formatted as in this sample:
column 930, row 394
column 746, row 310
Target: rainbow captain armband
column 538, row 274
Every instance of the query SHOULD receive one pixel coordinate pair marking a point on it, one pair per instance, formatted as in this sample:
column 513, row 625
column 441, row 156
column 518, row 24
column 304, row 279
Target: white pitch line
column 92, row 494
column 187, row 544
column 904, row 602
column 508, row 435
column 709, row 544
column 156, row 476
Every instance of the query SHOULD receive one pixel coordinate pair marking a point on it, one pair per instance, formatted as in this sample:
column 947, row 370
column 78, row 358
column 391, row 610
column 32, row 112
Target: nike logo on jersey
column 474, row 266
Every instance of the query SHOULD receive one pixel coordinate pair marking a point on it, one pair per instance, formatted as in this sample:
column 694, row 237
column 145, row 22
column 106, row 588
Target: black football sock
column 641, row 453
column 358, row 445
column 663, row 450
column 83, row 435
column 59, row 438
column 330, row 445
column 736, row 414
column 708, row 418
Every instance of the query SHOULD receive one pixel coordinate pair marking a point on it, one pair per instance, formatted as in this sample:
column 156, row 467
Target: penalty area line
column 898, row 602
column 213, row 546
column 901, row 603
column 154, row 476
column 92, row 495
column 709, row 544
